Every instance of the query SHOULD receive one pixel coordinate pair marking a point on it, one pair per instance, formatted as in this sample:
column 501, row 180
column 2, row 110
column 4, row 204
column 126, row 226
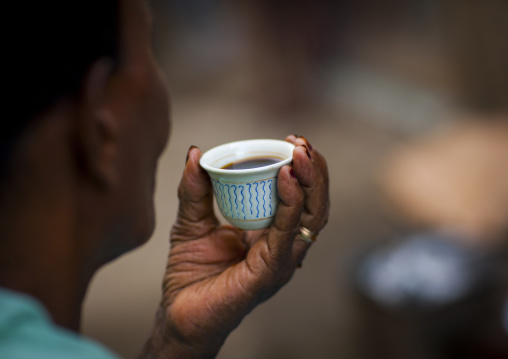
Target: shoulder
column 27, row 332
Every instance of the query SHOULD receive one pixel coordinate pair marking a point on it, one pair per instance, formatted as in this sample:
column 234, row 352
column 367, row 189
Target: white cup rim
column 210, row 155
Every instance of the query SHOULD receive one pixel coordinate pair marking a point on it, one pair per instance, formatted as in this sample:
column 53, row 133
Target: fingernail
column 188, row 151
column 307, row 151
column 307, row 142
column 291, row 172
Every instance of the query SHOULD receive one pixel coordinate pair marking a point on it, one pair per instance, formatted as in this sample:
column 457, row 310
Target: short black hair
column 49, row 50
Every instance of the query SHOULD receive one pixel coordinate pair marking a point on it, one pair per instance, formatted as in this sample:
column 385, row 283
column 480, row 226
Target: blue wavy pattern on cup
column 233, row 199
column 243, row 207
column 250, row 198
column 264, row 202
column 270, row 192
column 229, row 196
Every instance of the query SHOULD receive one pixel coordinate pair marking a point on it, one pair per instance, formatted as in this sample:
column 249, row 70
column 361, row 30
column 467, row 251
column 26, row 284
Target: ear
column 96, row 131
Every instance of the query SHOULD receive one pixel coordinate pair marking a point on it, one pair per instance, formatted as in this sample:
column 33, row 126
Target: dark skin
column 83, row 178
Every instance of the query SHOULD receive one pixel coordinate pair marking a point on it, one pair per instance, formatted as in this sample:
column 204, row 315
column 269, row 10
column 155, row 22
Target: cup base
column 251, row 225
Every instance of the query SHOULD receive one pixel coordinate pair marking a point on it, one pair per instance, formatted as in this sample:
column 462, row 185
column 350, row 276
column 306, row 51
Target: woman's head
column 89, row 110
column 48, row 52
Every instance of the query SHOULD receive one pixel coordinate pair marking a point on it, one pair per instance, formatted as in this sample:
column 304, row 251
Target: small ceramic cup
column 247, row 198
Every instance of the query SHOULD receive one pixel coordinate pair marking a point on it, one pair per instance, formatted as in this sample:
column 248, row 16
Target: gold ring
column 306, row 235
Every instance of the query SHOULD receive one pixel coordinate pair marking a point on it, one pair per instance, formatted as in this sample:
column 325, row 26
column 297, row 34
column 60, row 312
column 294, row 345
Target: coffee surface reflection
column 253, row 162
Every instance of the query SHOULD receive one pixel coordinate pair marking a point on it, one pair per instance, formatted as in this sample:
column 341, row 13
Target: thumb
column 195, row 211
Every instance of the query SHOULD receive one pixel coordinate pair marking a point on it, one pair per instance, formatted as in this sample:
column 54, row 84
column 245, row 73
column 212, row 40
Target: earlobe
column 96, row 126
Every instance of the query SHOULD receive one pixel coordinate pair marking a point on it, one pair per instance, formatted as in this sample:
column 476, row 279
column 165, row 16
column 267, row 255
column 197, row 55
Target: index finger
column 195, row 211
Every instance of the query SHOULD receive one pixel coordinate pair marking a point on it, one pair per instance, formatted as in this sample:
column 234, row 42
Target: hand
column 217, row 274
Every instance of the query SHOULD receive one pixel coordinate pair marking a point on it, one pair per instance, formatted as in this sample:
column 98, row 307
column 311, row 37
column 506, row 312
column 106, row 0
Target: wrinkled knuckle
column 274, row 262
column 269, row 262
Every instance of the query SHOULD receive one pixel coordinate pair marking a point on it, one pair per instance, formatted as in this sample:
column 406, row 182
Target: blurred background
column 408, row 100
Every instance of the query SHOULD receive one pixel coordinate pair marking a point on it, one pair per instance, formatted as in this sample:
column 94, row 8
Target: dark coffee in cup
column 252, row 162
column 247, row 198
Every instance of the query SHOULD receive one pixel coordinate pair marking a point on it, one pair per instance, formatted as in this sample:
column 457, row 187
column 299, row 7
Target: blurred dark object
column 445, row 286
column 425, row 270
column 433, row 297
